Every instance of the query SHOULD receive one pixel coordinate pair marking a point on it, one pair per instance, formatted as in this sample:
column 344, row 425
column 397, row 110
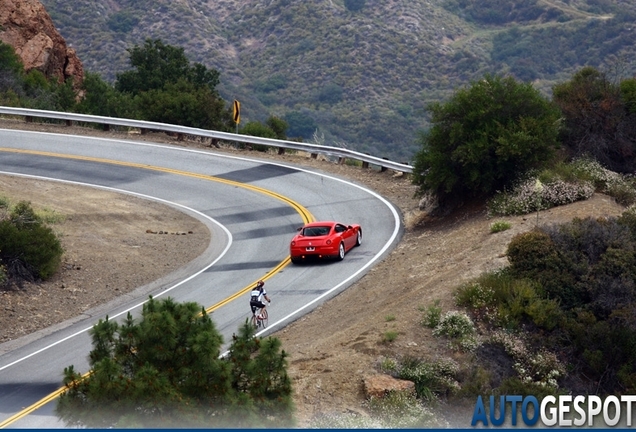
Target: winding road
column 252, row 208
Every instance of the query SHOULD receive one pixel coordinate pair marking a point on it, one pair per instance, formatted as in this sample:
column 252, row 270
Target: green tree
column 279, row 126
column 28, row 248
column 9, row 60
column 258, row 129
column 301, row 124
column 483, row 138
column 165, row 370
column 166, row 88
column 184, row 104
column 101, row 98
column 157, row 64
column 599, row 119
column 11, row 71
column 628, row 94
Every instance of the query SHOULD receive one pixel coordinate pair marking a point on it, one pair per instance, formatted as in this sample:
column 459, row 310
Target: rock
column 28, row 28
column 428, row 203
column 379, row 385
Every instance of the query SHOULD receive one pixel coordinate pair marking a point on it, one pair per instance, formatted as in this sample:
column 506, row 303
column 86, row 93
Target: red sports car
column 324, row 240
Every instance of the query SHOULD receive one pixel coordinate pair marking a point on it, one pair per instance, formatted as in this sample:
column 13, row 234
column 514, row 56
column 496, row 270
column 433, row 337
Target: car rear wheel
column 359, row 238
column 295, row 260
column 341, row 252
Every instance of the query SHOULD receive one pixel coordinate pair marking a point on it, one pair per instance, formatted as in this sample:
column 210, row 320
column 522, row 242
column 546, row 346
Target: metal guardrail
column 113, row 121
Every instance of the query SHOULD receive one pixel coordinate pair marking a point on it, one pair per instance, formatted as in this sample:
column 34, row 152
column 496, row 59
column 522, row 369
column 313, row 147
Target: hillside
column 331, row 350
column 362, row 78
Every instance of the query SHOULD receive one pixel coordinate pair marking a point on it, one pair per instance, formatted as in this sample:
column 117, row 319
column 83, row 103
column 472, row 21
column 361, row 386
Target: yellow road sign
column 237, row 111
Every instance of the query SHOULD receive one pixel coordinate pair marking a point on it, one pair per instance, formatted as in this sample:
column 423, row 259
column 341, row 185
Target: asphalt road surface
column 252, row 208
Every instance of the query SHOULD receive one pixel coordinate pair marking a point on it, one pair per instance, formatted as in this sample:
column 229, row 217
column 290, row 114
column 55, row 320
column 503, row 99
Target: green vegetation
column 32, row 89
column 562, row 183
column 433, row 315
column 338, row 53
column 274, row 128
column 29, row 249
column 459, row 329
column 483, row 138
column 566, row 298
column 499, row 226
column 389, row 336
column 398, row 409
column 599, row 120
column 165, row 370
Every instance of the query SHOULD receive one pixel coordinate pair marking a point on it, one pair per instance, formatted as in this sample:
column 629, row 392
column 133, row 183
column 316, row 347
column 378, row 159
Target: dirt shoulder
column 331, row 349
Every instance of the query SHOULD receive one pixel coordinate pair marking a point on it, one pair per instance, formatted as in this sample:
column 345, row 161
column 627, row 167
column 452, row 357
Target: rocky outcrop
column 27, row 26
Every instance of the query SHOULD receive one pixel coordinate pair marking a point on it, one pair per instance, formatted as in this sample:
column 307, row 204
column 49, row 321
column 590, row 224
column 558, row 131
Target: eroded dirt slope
column 331, row 349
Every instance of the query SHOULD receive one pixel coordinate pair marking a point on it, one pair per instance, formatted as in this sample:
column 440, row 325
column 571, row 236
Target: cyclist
column 256, row 300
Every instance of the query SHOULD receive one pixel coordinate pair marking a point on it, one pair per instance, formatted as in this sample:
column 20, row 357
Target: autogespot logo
column 563, row 410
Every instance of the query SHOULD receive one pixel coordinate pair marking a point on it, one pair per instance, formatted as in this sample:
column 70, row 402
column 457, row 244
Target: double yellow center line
column 304, row 214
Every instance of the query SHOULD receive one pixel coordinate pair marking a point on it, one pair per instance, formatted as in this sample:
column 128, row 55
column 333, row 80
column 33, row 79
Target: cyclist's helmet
column 260, row 283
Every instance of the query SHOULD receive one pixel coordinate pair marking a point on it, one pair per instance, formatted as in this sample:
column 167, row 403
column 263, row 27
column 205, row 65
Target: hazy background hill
column 360, row 72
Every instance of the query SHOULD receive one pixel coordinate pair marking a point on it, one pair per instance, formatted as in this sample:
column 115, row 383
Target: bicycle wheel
column 254, row 321
column 262, row 322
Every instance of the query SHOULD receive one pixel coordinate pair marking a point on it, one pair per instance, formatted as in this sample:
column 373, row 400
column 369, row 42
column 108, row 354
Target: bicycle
column 259, row 318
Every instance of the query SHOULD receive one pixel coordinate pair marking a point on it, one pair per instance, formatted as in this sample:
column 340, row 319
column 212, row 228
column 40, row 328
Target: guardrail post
column 314, row 155
column 106, row 127
column 365, row 165
column 28, row 119
column 383, row 168
column 69, row 123
column 281, row 150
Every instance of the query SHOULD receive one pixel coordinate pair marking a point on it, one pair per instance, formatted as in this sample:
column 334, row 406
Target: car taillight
column 293, row 243
column 328, row 242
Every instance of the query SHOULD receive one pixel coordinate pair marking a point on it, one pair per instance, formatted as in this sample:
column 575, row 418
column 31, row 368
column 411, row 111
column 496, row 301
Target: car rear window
column 315, row 231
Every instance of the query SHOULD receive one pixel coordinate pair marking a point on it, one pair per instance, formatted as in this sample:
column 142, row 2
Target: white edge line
column 227, row 247
column 396, row 217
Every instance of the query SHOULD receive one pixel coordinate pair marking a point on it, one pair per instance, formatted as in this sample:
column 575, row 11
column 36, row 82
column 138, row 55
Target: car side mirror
column 349, row 227
column 298, row 229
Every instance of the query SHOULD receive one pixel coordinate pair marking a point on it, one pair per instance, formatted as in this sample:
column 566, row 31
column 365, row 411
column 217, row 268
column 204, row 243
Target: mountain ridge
column 360, row 79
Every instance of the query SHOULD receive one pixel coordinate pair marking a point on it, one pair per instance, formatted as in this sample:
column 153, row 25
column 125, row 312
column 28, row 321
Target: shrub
column 531, row 251
column 476, row 380
column 433, row 315
column 388, row 365
column 389, row 336
column 399, row 409
column 475, row 295
column 628, row 219
column 535, row 255
column 499, row 226
column 498, row 298
column 483, row 137
column 28, row 248
column 430, row 378
column 545, row 313
column 533, row 367
column 394, row 410
column 3, row 275
column 620, row 187
column 459, row 328
column 527, row 197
